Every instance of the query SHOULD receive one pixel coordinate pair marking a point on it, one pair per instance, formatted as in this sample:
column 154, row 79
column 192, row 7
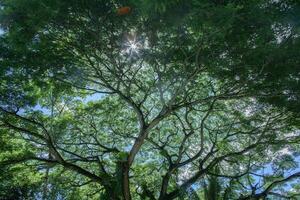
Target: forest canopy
column 149, row 99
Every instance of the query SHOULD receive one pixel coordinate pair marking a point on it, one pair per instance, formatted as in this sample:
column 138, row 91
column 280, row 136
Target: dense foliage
column 149, row 99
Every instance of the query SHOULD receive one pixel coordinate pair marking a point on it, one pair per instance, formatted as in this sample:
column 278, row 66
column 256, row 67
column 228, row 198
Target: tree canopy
column 149, row 99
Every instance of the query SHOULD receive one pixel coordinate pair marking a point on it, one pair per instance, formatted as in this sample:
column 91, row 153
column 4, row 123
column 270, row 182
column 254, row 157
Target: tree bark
column 125, row 182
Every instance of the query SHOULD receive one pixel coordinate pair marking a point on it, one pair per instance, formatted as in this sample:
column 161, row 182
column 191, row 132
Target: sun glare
column 132, row 46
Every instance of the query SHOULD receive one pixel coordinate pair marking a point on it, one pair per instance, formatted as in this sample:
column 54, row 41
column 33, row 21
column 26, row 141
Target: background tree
column 171, row 100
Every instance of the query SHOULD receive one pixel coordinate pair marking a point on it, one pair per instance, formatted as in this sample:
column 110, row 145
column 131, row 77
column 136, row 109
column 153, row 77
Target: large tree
column 149, row 99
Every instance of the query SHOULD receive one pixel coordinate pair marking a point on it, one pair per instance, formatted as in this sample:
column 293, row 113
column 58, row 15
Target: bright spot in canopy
column 132, row 46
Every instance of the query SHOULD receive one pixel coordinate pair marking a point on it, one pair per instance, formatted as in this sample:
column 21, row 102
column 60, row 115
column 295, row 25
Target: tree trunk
column 125, row 182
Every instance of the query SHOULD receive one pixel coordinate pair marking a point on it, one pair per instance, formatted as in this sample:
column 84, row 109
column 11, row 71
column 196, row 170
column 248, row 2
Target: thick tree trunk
column 164, row 186
column 125, row 182
column 112, row 195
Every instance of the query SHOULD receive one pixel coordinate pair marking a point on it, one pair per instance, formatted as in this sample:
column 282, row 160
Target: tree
column 171, row 100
